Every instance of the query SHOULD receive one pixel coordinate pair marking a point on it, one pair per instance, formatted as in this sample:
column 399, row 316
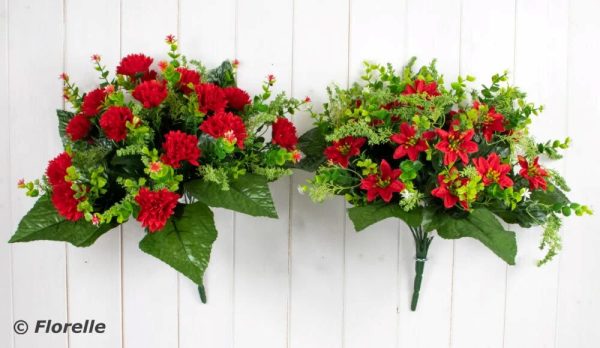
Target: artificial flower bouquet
column 162, row 146
column 451, row 160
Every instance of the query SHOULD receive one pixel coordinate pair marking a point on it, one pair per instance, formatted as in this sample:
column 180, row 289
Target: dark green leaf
column 549, row 197
column 312, row 144
column 364, row 216
column 185, row 242
column 43, row 222
column 249, row 194
column 222, row 76
column 527, row 216
column 63, row 120
column 482, row 225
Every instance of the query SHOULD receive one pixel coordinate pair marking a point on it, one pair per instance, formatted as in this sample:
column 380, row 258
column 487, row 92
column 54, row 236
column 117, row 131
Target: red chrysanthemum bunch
column 141, row 142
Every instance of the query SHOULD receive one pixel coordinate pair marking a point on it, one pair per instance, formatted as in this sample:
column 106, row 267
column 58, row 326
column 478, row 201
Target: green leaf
column 365, row 216
column 312, row 144
column 248, row 194
column 63, row 120
column 185, row 242
column 43, row 222
column 549, row 197
column 482, row 225
column 222, row 76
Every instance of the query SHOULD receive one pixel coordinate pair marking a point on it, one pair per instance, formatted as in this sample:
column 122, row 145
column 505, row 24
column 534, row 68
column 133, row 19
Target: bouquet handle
column 422, row 243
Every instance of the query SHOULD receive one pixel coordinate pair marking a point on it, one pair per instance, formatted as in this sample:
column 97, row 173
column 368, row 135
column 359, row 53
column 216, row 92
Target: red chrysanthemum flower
column 179, row 146
column 155, row 207
column 447, row 183
column 420, row 86
column 534, row 173
column 187, row 76
column 455, row 144
column 57, row 169
column 225, row 125
column 342, row 150
column 62, row 195
column 410, row 144
column 237, row 98
column 383, row 184
column 78, row 127
column 284, row 134
column 492, row 122
column 114, row 122
column 92, row 102
column 211, row 98
column 65, row 203
column 493, row 171
column 136, row 66
column 150, row 93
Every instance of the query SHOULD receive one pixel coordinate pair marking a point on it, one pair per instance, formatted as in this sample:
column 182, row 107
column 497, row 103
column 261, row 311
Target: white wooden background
column 306, row 280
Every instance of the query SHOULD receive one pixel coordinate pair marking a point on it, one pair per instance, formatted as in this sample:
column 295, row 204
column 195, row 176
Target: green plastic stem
column 422, row 243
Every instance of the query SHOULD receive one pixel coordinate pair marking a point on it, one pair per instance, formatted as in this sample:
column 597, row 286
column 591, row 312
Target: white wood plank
column 429, row 325
column 317, row 240
column 264, row 46
column 531, row 290
column 579, row 284
column 94, row 273
column 371, row 256
column 6, row 285
column 210, row 324
column 478, row 298
column 35, row 93
column 150, row 287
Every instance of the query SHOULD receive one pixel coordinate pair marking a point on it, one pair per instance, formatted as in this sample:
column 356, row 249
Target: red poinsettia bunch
column 452, row 160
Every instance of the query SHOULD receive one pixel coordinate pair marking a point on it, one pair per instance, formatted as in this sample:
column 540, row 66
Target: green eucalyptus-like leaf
column 365, row 216
column 312, row 144
column 185, row 242
column 482, row 225
column 43, row 222
column 248, row 194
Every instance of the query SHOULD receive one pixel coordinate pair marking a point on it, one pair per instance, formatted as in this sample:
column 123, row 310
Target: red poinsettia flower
column 92, row 102
column 187, row 76
column 78, row 127
column 179, row 146
column 420, row 86
column 493, row 122
column 114, row 122
column 493, row 171
column 225, row 125
column 62, row 195
column 455, row 144
column 534, row 173
column 342, row 150
column 211, row 98
column 136, row 66
column 237, row 98
column 446, row 186
column 155, row 207
column 410, row 144
column 383, row 184
column 150, row 93
column 284, row 134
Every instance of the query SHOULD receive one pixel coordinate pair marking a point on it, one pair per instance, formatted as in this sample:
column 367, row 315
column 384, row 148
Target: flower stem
column 422, row 242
